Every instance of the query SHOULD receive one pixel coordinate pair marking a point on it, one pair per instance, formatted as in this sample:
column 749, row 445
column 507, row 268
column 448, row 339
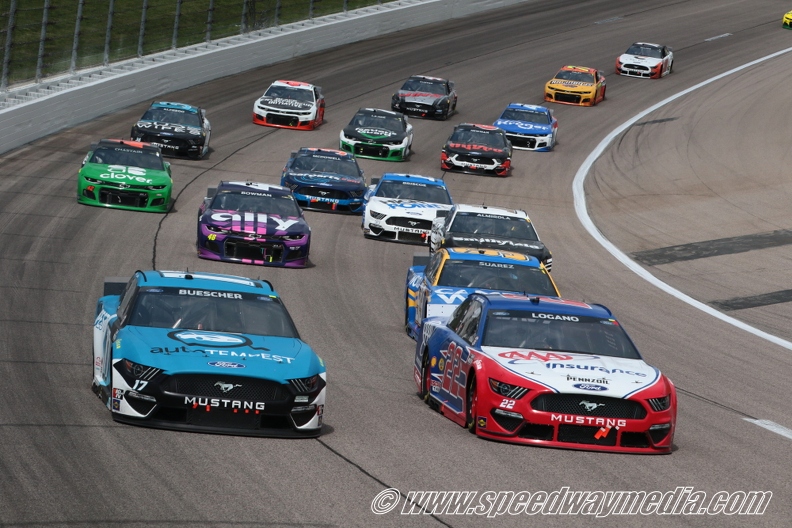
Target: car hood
column 255, row 223
column 126, row 175
column 522, row 127
column 418, row 97
column 577, row 373
column 413, row 208
column 475, row 150
column 202, row 352
column 638, row 59
column 167, row 129
column 284, row 104
column 335, row 181
column 373, row 134
column 531, row 247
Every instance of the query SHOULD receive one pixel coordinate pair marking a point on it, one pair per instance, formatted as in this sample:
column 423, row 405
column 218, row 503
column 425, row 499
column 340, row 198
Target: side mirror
column 374, row 182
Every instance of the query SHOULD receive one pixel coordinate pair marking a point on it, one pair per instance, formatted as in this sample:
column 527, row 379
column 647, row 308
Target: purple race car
column 253, row 223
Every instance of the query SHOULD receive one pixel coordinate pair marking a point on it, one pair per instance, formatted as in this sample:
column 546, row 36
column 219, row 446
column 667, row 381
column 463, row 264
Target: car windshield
column 326, row 164
column 530, row 116
column 213, row 311
column 645, row 51
column 172, row 116
column 289, row 92
column 496, row 276
column 421, row 192
column 493, row 224
column 472, row 136
column 578, row 334
column 387, row 122
column 282, row 205
column 127, row 156
column 567, row 75
column 425, row 86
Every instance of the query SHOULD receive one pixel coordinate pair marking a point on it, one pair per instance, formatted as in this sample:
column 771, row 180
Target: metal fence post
column 277, row 13
column 42, row 39
column 310, row 10
column 9, row 41
column 143, row 15
column 243, row 24
column 175, row 43
column 76, row 43
column 209, row 21
column 109, row 33
column 346, row 4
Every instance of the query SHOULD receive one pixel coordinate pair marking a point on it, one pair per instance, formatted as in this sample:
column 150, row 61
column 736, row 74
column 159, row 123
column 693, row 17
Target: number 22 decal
column 507, row 404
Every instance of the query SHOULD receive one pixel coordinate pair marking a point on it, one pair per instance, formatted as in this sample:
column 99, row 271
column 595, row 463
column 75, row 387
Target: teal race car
column 378, row 134
column 125, row 175
column 204, row 352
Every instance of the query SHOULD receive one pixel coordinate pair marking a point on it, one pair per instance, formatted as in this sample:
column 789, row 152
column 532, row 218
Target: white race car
column 290, row 104
column 401, row 207
column 482, row 226
column 649, row 61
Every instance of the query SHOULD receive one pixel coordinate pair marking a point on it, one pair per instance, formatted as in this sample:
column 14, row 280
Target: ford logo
column 225, row 364
column 590, row 387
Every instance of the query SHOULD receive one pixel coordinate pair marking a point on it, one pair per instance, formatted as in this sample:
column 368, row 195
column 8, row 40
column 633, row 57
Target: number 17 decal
column 139, row 385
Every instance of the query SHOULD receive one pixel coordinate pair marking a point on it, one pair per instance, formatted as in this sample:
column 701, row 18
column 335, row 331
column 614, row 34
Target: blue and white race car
column 401, row 207
column 451, row 274
column 205, row 352
column 325, row 180
column 529, row 127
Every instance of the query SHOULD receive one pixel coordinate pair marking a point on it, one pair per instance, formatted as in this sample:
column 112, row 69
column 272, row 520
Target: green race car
column 125, row 175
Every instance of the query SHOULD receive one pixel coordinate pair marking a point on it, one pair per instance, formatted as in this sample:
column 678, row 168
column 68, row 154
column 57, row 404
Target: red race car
column 544, row 371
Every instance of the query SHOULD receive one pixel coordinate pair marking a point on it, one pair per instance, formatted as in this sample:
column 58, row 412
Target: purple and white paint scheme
column 253, row 223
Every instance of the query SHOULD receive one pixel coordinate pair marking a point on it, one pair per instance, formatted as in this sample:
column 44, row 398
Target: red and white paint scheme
column 645, row 60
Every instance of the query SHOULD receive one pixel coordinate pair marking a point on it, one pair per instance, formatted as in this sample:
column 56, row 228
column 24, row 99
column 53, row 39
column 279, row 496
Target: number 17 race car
column 207, row 353
column 544, row 371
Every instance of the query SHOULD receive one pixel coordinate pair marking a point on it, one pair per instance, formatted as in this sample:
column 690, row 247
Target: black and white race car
column 482, row 226
column 290, row 104
column 176, row 128
column 426, row 97
column 477, row 149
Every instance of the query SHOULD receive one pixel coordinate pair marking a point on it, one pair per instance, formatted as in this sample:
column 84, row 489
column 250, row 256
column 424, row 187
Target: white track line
column 772, row 426
column 582, row 209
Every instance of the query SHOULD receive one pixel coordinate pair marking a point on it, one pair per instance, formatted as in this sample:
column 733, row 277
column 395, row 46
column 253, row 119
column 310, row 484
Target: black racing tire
column 471, row 405
column 426, row 378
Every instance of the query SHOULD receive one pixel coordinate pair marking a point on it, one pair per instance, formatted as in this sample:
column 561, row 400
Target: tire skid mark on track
column 375, row 479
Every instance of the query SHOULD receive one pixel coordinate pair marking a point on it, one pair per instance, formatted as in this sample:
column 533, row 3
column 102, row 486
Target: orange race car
column 576, row 85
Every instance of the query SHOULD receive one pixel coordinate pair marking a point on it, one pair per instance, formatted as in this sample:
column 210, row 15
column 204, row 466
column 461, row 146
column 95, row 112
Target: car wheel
column 406, row 318
column 472, row 405
column 407, row 152
column 671, row 67
column 195, row 155
column 426, row 378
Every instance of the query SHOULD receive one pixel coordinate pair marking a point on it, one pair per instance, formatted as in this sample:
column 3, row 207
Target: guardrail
column 32, row 111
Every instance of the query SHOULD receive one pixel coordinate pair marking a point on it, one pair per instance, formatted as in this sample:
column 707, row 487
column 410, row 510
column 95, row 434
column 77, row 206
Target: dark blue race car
column 204, row 352
column 325, row 180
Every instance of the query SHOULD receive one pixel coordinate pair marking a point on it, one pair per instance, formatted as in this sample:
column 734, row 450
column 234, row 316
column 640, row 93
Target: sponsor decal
column 482, row 422
column 261, row 218
column 435, row 385
column 225, row 364
column 278, row 101
column 593, row 368
column 410, row 204
column 121, row 172
column 433, row 362
column 450, row 295
column 588, row 420
column 441, row 365
column 191, row 337
column 196, row 401
column 116, row 404
column 471, row 146
column 603, row 381
column 532, row 355
column 415, row 184
column 374, row 132
column 602, row 432
column 118, row 394
column 497, row 242
column 207, row 293
column 98, row 362
column 590, row 387
column 169, row 127
column 521, row 124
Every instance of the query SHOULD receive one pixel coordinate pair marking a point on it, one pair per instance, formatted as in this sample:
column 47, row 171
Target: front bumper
column 474, row 165
column 539, row 143
column 258, row 250
column 122, row 196
column 333, row 201
column 373, row 150
column 570, row 97
column 278, row 118
column 192, row 402
column 651, row 433
column 396, row 228
column 420, row 110
column 172, row 146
